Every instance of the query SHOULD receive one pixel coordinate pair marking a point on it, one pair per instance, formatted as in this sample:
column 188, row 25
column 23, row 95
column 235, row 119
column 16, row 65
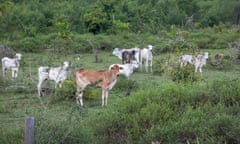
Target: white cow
column 11, row 64
column 126, row 69
column 146, row 57
column 185, row 59
column 57, row 74
column 119, row 53
column 199, row 61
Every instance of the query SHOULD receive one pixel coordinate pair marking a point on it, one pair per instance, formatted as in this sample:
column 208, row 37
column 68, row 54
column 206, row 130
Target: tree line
column 30, row 17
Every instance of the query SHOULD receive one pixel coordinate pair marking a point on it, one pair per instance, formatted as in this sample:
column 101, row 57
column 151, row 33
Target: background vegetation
column 36, row 24
column 170, row 105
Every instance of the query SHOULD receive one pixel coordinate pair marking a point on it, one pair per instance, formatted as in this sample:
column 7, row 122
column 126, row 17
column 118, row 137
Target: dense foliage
column 35, row 25
column 28, row 18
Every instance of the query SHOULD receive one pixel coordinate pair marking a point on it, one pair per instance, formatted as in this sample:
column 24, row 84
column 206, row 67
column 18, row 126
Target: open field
column 19, row 99
column 172, row 105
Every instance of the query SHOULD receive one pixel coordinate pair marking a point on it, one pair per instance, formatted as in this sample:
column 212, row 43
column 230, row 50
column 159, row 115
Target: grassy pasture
column 62, row 121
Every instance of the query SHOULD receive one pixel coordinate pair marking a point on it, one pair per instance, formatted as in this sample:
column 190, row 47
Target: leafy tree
column 31, row 17
column 96, row 21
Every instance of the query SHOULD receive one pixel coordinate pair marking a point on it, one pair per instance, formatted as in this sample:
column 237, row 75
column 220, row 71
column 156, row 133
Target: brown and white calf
column 105, row 79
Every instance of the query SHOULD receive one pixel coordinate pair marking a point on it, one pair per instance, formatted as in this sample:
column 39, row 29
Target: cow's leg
column 146, row 65
column 106, row 97
column 196, row 69
column 58, row 84
column 3, row 70
column 103, row 97
column 15, row 73
column 39, row 87
column 200, row 70
column 79, row 96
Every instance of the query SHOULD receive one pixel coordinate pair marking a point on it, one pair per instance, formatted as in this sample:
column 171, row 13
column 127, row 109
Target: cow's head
column 18, row 56
column 117, row 52
column 116, row 69
column 66, row 64
column 150, row 47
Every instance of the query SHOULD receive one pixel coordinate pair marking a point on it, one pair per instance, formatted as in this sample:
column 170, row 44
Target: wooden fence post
column 29, row 130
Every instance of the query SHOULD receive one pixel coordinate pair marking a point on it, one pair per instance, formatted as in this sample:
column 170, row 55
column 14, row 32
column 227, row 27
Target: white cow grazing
column 146, row 57
column 185, row 59
column 118, row 52
column 199, row 61
column 57, row 74
column 126, row 69
column 12, row 64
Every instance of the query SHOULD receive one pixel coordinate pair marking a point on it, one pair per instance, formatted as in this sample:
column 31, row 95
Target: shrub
column 227, row 91
column 5, row 51
column 234, row 49
column 29, row 44
column 127, row 86
column 162, row 66
column 12, row 135
column 198, row 25
column 67, row 92
column 184, row 74
column 172, row 113
column 222, row 128
column 92, row 93
column 68, row 128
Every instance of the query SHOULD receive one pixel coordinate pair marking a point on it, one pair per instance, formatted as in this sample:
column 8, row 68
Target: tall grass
column 173, row 113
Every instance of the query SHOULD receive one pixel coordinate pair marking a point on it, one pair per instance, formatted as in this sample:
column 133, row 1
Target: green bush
column 67, row 129
column 29, row 44
column 126, row 86
column 160, row 66
column 227, row 91
column 12, row 135
column 172, row 113
column 92, row 93
column 67, row 92
column 184, row 74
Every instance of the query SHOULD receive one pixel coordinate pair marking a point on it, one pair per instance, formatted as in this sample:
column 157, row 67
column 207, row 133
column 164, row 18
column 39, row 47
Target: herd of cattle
column 106, row 79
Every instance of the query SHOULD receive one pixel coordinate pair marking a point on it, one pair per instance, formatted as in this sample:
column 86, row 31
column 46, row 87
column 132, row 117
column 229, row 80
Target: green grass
column 158, row 109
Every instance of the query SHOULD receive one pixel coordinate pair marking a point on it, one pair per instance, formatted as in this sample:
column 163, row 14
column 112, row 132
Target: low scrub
column 174, row 113
column 67, row 92
column 184, row 74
